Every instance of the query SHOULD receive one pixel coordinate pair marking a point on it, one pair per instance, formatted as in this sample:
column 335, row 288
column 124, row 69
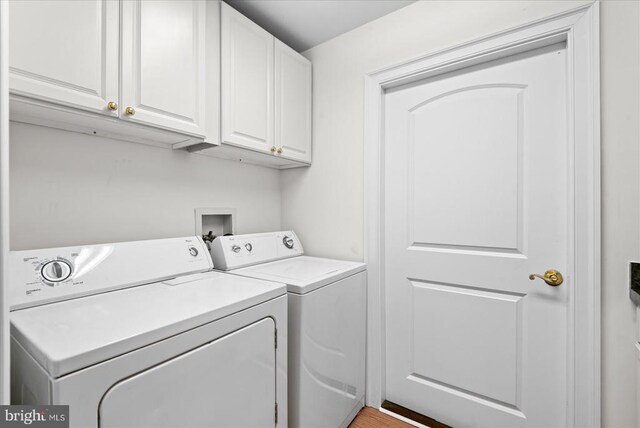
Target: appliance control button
column 287, row 241
column 235, row 248
column 56, row 270
column 248, row 246
column 193, row 251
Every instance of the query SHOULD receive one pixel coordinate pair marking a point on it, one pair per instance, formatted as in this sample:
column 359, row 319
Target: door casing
column 579, row 28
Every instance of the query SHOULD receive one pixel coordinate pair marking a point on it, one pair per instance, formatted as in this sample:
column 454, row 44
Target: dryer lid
column 67, row 336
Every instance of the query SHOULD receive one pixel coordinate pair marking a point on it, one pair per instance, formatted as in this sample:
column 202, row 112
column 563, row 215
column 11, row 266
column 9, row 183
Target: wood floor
column 373, row 418
column 414, row 416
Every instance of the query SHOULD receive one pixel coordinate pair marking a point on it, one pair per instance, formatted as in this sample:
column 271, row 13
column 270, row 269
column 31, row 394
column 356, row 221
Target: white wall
column 620, row 103
column 69, row 189
column 324, row 204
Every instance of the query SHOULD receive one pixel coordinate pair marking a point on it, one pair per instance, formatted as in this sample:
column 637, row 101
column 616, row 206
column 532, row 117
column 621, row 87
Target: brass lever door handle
column 551, row 277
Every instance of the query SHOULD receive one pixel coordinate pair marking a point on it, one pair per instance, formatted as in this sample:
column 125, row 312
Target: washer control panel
column 233, row 252
column 43, row 276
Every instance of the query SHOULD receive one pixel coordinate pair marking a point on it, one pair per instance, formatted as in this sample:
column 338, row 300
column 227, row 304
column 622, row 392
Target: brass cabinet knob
column 279, row 150
column 273, row 149
column 551, row 277
column 130, row 111
column 112, row 106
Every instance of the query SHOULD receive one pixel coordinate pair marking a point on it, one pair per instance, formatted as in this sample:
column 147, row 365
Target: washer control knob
column 235, row 248
column 56, row 271
column 248, row 246
column 193, row 251
column 287, row 241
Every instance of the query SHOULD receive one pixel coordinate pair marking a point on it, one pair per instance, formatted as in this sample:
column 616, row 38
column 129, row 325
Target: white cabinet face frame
column 163, row 63
column 247, row 82
column 72, row 58
column 212, row 78
column 292, row 103
column 579, row 28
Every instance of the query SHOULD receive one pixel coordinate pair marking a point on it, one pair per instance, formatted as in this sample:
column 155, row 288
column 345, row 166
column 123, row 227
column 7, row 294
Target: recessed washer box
column 220, row 221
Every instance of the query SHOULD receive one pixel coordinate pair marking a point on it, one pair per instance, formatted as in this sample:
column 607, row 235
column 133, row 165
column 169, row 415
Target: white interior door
column 66, row 52
column 163, row 64
column 229, row 382
column 476, row 199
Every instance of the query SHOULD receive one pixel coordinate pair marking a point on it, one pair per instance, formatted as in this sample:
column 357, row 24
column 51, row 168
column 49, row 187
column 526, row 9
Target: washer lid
column 303, row 274
column 68, row 336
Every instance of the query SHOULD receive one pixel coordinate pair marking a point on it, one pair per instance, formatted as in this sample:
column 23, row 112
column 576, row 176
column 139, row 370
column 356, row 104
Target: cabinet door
column 163, row 64
column 247, row 82
column 230, row 382
column 292, row 103
column 65, row 52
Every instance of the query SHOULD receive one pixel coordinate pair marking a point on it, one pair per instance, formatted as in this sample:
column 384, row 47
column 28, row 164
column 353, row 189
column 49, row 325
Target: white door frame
column 579, row 28
column 4, row 202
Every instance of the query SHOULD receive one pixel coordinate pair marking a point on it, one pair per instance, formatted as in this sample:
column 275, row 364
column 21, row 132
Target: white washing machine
column 143, row 334
column 327, row 322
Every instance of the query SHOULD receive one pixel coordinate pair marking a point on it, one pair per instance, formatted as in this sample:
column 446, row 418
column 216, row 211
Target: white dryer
column 143, row 334
column 327, row 322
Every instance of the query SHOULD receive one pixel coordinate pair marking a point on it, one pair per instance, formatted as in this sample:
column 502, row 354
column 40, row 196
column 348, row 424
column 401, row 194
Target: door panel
column 247, row 82
column 163, row 70
column 444, row 138
column 65, row 52
column 211, row 386
column 293, row 103
column 476, row 167
column 494, row 342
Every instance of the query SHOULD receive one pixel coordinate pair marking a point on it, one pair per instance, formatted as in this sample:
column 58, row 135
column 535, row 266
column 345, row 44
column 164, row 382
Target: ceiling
column 303, row 24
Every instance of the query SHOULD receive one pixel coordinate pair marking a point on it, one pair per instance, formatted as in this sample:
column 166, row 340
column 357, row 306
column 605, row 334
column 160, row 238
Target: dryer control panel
column 43, row 276
column 233, row 252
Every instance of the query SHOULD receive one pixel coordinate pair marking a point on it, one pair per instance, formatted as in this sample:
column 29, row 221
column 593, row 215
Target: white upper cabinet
column 65, row 52
column 170, row 73
column 292, row 104
column 247, row 82
column 266, row 95
column 146, row 62
column 163, row 64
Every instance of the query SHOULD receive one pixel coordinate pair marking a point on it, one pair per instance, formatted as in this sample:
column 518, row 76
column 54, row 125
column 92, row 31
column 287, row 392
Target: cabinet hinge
column 275, row 338
column 276, row 414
